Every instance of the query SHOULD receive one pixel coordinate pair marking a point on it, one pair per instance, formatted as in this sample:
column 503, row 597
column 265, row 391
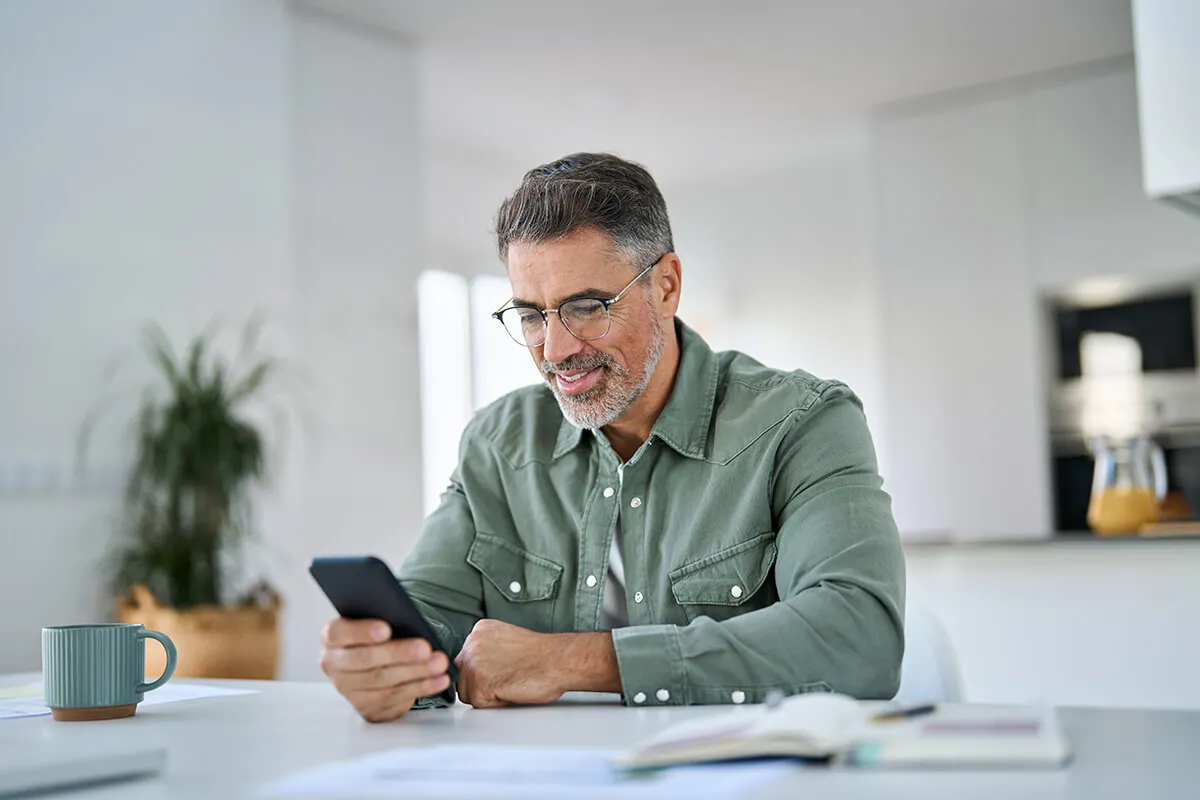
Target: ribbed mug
column 99, row 671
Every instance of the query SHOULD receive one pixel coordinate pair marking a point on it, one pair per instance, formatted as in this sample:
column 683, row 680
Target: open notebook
column 839, row 728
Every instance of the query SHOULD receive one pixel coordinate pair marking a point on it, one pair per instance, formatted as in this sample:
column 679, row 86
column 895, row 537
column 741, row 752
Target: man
column 659, row 520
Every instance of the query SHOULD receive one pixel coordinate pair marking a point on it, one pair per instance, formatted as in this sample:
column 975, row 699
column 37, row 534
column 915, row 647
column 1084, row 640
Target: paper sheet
column 17, row 707
column 26, row 701
column 472, row 771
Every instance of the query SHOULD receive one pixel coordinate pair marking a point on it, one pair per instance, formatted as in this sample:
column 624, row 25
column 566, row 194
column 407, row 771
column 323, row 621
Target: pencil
column 905, row 713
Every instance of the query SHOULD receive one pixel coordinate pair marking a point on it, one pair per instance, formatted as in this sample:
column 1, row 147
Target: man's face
column 594, row 381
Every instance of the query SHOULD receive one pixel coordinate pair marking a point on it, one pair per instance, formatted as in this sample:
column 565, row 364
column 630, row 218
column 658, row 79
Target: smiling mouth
column 577, row 382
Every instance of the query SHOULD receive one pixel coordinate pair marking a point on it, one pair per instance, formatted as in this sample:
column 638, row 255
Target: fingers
column 352, row 632
column 386, row 692
column 393, row 675
column 385, row 705
column 381, row 677
column 428, row 686
column 487, row 701
column 472, row 691
column 364, row 658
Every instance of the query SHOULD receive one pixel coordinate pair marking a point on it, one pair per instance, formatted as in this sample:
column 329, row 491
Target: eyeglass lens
column 584, row 318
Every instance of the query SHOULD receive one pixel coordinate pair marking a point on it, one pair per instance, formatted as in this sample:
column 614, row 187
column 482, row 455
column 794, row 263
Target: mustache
column 576, row 363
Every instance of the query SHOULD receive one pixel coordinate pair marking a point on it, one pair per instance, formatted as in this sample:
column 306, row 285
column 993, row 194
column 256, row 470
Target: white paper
column 15, row 706
column 27, row 690
column 175, row 692
column 472, row 771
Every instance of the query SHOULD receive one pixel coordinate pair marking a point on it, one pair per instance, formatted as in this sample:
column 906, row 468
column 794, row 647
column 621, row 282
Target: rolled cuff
column 651, row 664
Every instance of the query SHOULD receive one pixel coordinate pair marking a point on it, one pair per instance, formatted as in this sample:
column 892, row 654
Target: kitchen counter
column 1073, row 538
column 1075, row 619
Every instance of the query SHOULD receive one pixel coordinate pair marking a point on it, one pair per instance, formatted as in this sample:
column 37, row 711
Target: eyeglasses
column 585, row 318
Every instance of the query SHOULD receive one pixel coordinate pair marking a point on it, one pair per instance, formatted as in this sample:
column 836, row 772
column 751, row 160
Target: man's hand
column 501, row 664
column 381, row 678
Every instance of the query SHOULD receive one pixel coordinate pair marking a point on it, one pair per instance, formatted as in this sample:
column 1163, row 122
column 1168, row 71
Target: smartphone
column 364, row 587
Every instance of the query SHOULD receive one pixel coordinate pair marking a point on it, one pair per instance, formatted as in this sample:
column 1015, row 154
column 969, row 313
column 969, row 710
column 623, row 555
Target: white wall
column 1072, row 623
column 359, row 250
column 958, row 322
column 1088, row 212
column 173, row 162
column 143, row 175
column 985, row 199
column 463, row 187
column 778, row 265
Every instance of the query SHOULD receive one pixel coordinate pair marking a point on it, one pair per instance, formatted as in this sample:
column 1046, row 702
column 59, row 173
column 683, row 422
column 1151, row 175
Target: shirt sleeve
column 839, row 622
column 435, row 573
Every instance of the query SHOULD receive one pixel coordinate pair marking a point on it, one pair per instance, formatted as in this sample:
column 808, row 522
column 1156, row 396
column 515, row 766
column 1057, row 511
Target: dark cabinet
column 1163, row 326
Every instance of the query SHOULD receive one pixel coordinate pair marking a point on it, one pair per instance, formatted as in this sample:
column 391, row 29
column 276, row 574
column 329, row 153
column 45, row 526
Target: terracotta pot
column 213, row 641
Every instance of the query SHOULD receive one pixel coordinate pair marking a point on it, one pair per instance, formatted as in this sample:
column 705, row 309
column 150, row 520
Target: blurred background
column 981, row 214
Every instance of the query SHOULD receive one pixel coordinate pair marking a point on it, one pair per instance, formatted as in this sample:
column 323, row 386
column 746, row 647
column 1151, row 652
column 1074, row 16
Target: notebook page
column 816, row 717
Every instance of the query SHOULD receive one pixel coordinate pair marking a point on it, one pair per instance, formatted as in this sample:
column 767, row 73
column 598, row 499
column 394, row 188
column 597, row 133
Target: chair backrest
column 929, row 672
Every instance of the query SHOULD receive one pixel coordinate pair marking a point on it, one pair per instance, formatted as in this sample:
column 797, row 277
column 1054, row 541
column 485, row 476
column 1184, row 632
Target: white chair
column 929, row 672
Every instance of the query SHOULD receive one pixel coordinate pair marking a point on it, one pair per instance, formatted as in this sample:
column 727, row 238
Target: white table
column 227, row 747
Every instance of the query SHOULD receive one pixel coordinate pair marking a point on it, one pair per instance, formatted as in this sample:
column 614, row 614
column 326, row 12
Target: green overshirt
column 759, row 548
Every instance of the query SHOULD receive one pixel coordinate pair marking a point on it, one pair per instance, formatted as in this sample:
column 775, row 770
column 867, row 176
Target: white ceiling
column 689, row 85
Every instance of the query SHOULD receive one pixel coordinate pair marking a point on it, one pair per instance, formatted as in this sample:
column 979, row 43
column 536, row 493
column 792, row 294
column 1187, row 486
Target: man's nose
column 560, row 343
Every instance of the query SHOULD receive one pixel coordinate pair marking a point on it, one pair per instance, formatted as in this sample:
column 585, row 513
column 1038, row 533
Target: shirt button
column 639, row 698
column 663, row 695
column 738, row 697
column 608, row 492
column 591, row 581
column 635, row 502
column 736, row 591
column 638, row 597
column 515, row 587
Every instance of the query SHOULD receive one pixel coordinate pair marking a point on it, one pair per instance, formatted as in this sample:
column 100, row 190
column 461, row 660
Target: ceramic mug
column 99, row 671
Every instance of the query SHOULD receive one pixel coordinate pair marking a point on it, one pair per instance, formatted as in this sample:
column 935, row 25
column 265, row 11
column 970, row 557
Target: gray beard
column 617, row 393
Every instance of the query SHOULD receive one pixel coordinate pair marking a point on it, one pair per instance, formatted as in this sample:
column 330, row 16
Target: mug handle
column 172, row 657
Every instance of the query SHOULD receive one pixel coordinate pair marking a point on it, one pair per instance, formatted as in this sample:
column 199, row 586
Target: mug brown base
column 92, row 714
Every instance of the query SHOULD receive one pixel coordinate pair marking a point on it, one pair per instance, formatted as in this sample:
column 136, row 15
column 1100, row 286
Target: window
column 467, row 361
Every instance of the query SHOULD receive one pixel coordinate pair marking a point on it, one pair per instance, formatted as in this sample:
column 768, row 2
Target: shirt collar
column 687, row 417
column 685, row 420
column 568, row 438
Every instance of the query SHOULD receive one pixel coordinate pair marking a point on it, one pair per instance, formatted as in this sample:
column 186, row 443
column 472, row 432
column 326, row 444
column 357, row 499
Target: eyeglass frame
column 607, row 302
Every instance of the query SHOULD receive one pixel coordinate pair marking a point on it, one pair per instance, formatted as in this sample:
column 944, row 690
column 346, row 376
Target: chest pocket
column 518, row 587
column 728, row 583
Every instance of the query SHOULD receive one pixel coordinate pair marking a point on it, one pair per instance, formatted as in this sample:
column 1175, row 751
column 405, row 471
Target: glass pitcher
column 1129, row 483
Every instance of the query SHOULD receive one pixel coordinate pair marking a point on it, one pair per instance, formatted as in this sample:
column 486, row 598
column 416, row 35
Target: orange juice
column 1122, row 510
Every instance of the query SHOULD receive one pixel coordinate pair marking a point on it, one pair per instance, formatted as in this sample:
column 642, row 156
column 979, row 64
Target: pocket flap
column 728, row 578
column 515, row 572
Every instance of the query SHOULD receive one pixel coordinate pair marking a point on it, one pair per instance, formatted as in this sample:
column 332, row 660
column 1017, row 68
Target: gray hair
column 588, row 190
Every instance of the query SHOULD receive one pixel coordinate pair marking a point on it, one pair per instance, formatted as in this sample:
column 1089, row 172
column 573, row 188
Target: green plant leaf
column 195, row 364
column 187, row 497
column 250, row 336
column 161, row 353
column 252, row 382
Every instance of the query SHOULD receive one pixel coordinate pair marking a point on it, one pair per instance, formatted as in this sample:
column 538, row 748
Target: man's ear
column 668, row 280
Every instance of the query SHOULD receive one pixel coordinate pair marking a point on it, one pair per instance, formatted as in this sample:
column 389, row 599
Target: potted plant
column 186, row 513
